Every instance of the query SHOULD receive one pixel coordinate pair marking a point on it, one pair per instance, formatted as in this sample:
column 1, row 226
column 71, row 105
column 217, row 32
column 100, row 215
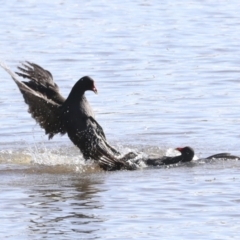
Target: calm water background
column 168, row 75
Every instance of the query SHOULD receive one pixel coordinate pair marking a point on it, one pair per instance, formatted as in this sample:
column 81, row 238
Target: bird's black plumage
column 187, row 154
column 73, row 115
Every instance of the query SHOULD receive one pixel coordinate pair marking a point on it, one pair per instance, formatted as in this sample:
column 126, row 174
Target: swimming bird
column 187, row 154
column 73, row 115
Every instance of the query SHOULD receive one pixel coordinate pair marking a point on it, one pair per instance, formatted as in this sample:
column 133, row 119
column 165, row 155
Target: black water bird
column 73, row 115
column 187, row 154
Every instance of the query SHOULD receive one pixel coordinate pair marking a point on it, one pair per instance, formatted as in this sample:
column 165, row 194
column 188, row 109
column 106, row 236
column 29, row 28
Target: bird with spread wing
column 73, row 115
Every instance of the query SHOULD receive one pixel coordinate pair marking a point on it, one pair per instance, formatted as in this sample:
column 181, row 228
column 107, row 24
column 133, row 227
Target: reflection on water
column 46, row 205
column 37, row 202
column 51, row 209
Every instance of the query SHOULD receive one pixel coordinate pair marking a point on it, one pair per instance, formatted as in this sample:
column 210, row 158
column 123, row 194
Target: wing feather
column 94, row 146
column 41, row 81
column 45, row 111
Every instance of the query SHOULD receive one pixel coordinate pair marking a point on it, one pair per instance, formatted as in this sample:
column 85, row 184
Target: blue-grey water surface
column 168, row 75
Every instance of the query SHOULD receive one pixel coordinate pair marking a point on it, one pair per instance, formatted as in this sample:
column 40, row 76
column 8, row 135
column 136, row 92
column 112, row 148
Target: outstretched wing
column 41, row 81
column 45, row 111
